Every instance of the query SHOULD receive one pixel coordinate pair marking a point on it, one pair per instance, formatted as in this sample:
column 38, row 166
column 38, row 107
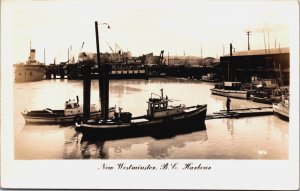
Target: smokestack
column 230, row 49
column 32, row 54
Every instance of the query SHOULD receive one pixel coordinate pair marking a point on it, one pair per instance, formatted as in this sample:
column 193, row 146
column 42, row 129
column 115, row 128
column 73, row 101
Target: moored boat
column 261, row 95
column 73, row 112
column 282, row 108
column 210, row 77
column 230, row 89
column 160, row 116
column 264, row 94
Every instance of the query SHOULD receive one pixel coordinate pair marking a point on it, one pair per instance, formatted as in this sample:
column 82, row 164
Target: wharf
column 243, row 112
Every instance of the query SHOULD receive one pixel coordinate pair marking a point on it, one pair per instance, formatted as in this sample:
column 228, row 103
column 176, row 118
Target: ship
column 30, row 71
column 160, row 116
column 72, row 113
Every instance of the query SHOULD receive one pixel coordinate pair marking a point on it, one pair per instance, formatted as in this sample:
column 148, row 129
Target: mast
column 103, row 71
column 279, row 67
column 229, row 61
column 68, row 55
column 86, row 90
column 44, row 56
column 248, row 33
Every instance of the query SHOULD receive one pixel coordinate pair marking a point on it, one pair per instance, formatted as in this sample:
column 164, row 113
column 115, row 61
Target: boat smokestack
column 86, row 90
column 77, row 98
column 230, row 50
column 32, row 54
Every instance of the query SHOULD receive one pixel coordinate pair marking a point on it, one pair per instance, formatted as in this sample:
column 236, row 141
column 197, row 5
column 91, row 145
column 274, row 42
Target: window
column 68, row 106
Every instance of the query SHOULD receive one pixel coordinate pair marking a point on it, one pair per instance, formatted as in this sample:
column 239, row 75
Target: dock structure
column 242, row 112
column 75, row 71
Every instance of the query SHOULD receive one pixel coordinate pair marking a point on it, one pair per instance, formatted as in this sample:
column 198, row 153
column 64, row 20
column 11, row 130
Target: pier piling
column 86, row 90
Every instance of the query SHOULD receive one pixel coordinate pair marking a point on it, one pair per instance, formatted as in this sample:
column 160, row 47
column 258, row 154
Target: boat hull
column 261, row 99
column 58, row 119
column 61, row 118
column 141, row 126
column 29, row 73
column 240, row 94
column 281, row 112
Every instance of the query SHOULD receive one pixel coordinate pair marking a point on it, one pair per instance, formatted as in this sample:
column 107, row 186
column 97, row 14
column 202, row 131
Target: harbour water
column 264, row 137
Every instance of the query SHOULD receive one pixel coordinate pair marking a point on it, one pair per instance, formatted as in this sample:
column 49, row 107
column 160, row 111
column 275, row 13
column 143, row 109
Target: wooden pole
column 103, row 70
column 86, row 90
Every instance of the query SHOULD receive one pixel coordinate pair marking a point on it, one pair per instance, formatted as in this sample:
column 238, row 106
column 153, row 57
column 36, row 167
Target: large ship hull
column 240, row 94
column 29, row 73
column 191, row 120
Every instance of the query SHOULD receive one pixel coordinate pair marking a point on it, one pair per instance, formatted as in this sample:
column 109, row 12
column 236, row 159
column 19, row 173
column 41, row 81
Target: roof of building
column 259, row 52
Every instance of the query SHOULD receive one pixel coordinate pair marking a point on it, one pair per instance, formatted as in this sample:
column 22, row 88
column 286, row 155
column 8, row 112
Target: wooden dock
column 243, row 112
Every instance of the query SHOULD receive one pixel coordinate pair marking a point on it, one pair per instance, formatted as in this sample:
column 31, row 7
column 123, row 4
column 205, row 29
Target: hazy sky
column 143, row 26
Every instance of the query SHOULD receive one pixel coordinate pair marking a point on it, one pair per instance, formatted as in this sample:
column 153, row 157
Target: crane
column 110, row 48
column 117, row 46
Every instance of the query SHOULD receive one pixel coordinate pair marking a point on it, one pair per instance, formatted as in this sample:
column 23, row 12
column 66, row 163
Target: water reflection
column 230, row 127
column 148, row 147
column 264, row 137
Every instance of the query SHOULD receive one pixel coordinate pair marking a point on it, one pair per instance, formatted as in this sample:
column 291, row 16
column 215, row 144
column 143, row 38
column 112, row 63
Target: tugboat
column 160, row 116
column 73, row 112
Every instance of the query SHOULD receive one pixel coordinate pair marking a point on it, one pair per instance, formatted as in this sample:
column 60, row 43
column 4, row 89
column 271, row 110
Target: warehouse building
column 245, row 66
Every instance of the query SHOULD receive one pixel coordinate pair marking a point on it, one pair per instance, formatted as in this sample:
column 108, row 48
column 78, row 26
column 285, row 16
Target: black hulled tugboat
column 160, row 116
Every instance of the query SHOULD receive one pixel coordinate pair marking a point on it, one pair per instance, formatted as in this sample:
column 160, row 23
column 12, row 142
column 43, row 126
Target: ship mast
column 103, row 71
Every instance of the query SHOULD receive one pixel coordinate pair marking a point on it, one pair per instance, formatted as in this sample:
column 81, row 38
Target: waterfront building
column 244, row 66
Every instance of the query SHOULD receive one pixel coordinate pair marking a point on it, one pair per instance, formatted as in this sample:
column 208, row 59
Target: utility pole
column 275, row 42
column 268, row 42
column 44, row 56
column 248, row 33
column 201, row 51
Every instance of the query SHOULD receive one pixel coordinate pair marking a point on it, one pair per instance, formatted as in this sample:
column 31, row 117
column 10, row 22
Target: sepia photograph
column 112, row 94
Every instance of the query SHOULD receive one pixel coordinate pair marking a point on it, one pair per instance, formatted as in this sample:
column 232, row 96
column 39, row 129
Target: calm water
column 263, row 137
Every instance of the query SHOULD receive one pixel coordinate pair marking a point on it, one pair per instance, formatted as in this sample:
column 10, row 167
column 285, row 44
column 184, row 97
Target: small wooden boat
column 268, row 95
column 210, row 77
column 282, row 108
column 73, row 112
column 230, row 89
column 261, row 95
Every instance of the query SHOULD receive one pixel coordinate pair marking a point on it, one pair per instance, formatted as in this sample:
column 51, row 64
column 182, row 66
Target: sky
column 176, row 26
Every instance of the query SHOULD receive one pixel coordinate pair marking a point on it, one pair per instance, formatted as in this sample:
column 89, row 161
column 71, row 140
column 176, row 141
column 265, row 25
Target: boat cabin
column 232, row 85
column 158, row 108
column 73, row 108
